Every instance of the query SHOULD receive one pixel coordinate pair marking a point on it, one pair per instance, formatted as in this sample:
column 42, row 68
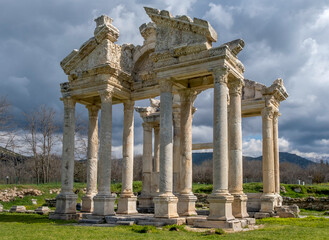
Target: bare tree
column 41, row 138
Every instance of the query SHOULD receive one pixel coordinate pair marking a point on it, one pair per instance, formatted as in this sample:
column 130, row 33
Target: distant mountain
column 198, row 158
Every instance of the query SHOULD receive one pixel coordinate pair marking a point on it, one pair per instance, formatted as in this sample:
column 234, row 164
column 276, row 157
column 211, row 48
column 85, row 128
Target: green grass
column 307, row 212
column 32, row 226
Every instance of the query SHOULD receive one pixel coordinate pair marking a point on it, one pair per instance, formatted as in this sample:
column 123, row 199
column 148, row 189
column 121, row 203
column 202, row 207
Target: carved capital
column 276, row 116
column 93, row 111
column 166, row 85
column 68, row 102
column 220, row 74
column 128, row 105
column 235, row 86
column 188, row 95
column 106, row 94
column 268, row 113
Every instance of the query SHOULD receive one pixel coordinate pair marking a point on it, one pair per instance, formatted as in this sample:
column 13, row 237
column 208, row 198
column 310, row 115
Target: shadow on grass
column 29, row 218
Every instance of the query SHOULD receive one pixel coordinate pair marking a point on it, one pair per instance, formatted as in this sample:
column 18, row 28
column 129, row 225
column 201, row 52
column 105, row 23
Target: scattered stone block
column 18, row 209
column 287, row 211
column 1, row 207
column 34, row 201
column 43, row 210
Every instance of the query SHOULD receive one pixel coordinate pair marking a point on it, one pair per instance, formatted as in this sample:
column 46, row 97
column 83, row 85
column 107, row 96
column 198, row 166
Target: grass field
column 32, row 226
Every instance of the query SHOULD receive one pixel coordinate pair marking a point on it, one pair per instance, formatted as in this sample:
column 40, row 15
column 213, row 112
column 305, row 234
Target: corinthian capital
column 106, row 94
column 187, row 95
column 220, row 74
column 236, row 86
column 268, row 113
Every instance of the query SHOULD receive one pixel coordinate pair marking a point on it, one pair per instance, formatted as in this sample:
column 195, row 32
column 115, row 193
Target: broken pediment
column 180, row 31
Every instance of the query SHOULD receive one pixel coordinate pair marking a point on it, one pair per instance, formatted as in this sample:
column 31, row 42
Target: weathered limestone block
column 18, row 209
column 42, row 210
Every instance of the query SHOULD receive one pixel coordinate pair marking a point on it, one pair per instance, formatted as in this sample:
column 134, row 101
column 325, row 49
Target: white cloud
column 323, row 20
column 180, row 7
column 219, row 15
column 252, row 147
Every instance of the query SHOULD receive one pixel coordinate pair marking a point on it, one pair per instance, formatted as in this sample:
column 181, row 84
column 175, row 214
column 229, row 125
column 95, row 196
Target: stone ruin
column 176, row 62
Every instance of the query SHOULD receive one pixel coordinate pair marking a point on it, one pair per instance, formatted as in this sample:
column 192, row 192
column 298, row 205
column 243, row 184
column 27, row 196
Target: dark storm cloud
column 285, row 39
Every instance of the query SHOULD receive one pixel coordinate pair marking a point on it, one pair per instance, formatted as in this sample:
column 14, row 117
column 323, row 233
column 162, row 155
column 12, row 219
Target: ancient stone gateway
column 177, row 61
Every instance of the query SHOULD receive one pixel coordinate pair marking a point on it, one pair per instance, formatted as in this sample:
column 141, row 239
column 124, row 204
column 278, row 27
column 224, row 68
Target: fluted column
column 127, row 201
column 186, row 199
column 239, row 206
column 92, row 158
column 165, row 205
column 268, row 197
column 276, row 157
column 156, row 149
column 104, row 200
column 156, row 162
column 176, row 150
column 66, row 200
column 220, row 200
column 145, row 199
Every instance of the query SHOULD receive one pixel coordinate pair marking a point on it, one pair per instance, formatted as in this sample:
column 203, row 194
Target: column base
column 66, row 203
column 239, row 206
column 267, row 203
column 220, row 207
column 186, row 205
column 127, row 205
column 165, row 206
column 104, row 205
column 87, row 203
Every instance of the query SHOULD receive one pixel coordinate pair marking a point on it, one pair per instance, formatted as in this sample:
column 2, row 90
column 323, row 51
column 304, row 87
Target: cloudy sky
column 287, row 39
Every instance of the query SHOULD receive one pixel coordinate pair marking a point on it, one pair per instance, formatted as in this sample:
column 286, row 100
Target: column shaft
column 276, row 152
column 92, row 161
column 166, row 140
column 145, row 199
column 128, row 149
column 220, row 201
column 220, row 135
column 268, row 158
column 176, row 151
column 165, row 205
column 68, row 146
column 156, row 149
column 186, row 202
column 127, row 201
column 235, row 150
column 66, row 200
column 104, row 201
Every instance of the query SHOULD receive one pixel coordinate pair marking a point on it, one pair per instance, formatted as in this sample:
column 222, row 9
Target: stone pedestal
column 65, row 204
column 87, row 203
column 127, row 205
column 220, row 207
column 165, row 206
column 104, row 205
column 186, row 204
column 268, row 202
column 239, row 206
